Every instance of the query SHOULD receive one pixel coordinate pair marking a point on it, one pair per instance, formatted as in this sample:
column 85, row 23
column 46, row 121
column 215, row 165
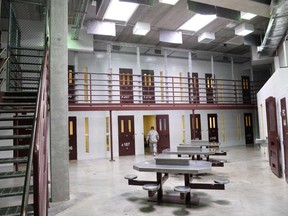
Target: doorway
column 212, row 128
column 249, row 138
column 126, row 135
column 72, row 130
column 273, row 138
column 285, row 135
column 161, row 124
column 195, row 125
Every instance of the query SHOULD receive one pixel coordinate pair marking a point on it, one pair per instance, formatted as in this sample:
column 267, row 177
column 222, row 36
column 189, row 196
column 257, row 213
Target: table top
column 200, row 143
column 192, row 151
column 194, row 167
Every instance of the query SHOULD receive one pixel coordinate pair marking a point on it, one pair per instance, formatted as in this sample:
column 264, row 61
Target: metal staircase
column 17, row 111
column 18, row 108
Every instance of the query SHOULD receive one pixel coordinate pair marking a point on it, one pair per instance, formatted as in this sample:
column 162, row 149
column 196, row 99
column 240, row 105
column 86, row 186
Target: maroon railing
column 105, row 88
column 38, row 155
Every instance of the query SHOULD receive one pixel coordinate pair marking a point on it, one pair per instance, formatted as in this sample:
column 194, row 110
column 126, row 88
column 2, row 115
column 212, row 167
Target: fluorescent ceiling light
column 121, row 11
column 141, row 28
column 197, row 22
column 247, row 16
column 171, row 2
column 244, row 29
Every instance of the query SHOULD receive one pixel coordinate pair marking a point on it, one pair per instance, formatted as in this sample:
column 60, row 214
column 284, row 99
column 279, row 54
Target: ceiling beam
column 243, row 5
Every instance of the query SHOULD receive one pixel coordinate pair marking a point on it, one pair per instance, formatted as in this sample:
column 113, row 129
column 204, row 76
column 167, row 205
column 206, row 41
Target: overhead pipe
column 79, row 19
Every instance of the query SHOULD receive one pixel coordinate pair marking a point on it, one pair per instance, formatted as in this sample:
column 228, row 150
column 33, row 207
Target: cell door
column 209, row 88
column 72, row 130
column 71, row 84
column 285, row 135
column 126, row 85
column 273, row 139
column 126, row 135
column 162, row 126
column 195, row 125
column 212, row 128
column 249, row 137
column 246, row 90
column 148, row 89
column 193, row 86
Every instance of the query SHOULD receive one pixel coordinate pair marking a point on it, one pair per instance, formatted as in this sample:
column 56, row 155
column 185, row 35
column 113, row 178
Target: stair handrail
column 3, row 64
column 38, row 141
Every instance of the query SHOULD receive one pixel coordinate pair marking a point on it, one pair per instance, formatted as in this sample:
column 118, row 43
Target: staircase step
column 13, row 160
column 18, row 104
column 16, row 118
column 27, row 71
column 13, row 191
column 20, row 93
column 12, row 174
column 12, row 148
column 18, row 136
column 17, row 110
column 19, row 97
column 16, row 127
column 15, row 210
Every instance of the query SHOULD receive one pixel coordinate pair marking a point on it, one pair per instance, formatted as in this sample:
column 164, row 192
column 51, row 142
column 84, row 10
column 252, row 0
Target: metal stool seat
column 182, row 189
column 151, row 187
column 130, row 177
column 222, row 181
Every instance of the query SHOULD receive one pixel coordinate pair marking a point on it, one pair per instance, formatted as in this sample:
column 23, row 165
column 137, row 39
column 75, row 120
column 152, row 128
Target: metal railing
column 38, row 154
column 3, row 66
column 107, row 88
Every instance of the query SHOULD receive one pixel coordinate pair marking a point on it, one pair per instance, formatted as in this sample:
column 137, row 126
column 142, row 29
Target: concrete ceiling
column 168, row 17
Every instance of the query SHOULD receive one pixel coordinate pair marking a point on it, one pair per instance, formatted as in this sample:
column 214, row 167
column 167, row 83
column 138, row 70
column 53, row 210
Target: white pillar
column 190, row 62
column 212, row 66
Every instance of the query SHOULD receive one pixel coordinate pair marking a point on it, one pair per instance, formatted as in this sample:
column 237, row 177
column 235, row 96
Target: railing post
column 90, row 83
column 173, row 90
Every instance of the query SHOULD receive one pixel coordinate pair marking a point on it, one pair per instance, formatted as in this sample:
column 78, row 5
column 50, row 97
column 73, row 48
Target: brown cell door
column 162, row 127
column 246, row 90
column 71, row 84
column 148, row 88
column 285, row 135
column 126, row 135
column 209, row 88
column 126, row 85
column 249, row 137
column 273, row 139
column 212, row 128
column 72, row 130
column 195, row 125
column 22, row 131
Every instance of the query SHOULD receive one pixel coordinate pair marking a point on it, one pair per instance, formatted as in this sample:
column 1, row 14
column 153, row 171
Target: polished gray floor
column 98, row 187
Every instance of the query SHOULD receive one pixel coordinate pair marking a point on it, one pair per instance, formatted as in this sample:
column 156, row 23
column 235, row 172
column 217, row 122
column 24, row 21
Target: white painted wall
column 230, row 134
column 276, row 86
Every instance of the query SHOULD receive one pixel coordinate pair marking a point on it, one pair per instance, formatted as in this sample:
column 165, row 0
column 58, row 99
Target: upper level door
column 209, row 88
column 248, row 124
column 71, row 84
column 162, row 126
column 126, row 135
column 148, row 89
column 285, row 135
column 195, row 125
column 126, row 85
column 246, row 94
column 72, row 130
column 273, row 139
column 212, row 128
column 148, row 86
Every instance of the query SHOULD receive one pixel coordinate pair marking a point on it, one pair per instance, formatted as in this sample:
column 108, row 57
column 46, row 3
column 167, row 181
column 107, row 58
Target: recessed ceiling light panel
column 171, row 2
column 244, row 29
column 141, row 28
column 197, row 22
column 247, row 16
column 120, row 11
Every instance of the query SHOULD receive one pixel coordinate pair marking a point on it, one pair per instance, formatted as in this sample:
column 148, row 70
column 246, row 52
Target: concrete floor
column 98, row 187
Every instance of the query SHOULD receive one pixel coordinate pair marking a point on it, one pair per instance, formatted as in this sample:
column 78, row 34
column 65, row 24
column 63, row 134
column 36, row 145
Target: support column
column 59, row 153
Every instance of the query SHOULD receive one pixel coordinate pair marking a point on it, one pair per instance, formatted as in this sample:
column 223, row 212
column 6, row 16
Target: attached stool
column 183, row 190
column 151, row 188
column 130, row 177
column 222, row 181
